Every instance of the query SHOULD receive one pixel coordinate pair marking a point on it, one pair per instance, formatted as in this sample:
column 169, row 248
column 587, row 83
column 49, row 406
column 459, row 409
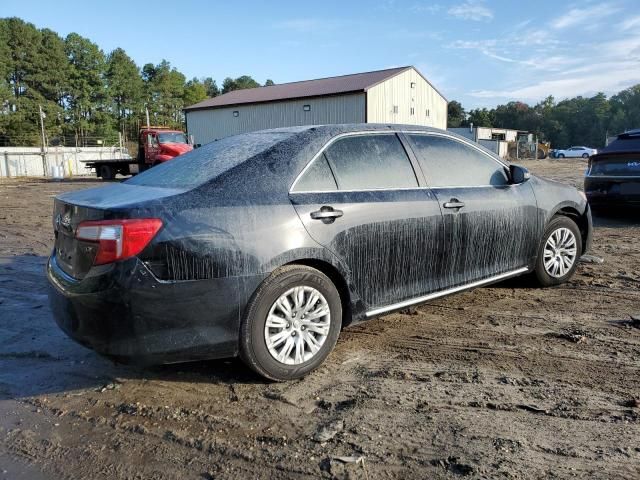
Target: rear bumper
column 124, row 312
column 612, row 192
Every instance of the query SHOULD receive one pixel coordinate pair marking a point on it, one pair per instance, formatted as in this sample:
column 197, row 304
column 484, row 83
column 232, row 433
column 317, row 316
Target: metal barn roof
column 357, row 82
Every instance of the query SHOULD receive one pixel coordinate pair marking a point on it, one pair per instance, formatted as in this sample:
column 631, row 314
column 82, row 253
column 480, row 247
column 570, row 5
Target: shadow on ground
column 36, row 357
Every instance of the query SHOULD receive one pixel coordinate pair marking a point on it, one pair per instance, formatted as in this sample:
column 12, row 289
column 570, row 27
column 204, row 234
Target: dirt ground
column 500, row 382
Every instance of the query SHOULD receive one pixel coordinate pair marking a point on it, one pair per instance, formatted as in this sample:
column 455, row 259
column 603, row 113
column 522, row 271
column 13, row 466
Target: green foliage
column 455, row 114
column 194, row 91
column 269, row 83
column 245, row 81
column 574, row 121
column 84, row 93
column 480, row 118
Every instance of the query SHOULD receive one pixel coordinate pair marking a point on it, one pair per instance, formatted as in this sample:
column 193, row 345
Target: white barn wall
column 27, row 161
column 397, row 91
column 215, row 123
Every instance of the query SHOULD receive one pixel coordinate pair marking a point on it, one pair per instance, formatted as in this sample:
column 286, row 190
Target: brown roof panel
column 308, row 88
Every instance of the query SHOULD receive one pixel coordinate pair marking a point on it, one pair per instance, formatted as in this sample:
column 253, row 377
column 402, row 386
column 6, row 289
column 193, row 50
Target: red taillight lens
column 118, row 239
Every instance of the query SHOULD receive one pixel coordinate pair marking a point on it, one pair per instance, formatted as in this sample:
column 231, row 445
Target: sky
column 481, row 53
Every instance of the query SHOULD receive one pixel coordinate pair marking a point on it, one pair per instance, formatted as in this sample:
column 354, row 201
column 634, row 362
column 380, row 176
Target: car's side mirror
column 518, row 174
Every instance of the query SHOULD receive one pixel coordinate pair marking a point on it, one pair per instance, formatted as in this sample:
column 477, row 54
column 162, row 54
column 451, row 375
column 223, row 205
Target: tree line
column 85, row 93
column 574, row 121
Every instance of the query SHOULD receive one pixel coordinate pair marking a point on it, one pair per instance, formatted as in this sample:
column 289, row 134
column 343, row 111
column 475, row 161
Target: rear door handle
column 453, row 203
column 326, row 214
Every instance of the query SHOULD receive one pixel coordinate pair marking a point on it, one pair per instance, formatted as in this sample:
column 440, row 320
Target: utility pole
column 44, row 146
column 147, row 112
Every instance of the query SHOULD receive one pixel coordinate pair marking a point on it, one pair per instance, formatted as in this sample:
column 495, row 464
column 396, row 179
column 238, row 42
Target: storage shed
column 396, row 95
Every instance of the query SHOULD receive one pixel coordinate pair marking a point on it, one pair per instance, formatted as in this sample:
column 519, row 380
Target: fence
column 32, row 162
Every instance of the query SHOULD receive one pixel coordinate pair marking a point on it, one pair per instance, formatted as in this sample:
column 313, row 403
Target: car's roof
column 353, row 127
column 628, row 142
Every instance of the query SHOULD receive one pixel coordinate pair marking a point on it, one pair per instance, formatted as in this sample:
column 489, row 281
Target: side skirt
column 443, row 293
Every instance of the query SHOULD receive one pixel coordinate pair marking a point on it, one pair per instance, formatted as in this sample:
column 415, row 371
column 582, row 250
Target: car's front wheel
column 585, row 155
column 291, row 324
column 559, row 252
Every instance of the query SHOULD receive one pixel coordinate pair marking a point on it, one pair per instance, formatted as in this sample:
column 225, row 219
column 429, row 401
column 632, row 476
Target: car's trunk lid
column 75, row 257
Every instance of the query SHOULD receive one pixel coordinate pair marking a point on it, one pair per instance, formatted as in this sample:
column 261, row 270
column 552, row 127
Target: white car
column 576, row 152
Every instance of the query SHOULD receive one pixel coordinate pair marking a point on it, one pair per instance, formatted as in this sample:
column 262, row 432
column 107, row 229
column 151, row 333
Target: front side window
column 450, row 163
column 367, row 162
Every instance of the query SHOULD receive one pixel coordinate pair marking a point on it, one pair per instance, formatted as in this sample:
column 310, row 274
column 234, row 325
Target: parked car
column 266, row 244
column 575, row 152
column 613, row 176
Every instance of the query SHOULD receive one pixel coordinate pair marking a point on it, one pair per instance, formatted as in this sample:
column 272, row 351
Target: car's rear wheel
column 559, row 252
column 561, row 155
column 291, row 324
column 585, row 155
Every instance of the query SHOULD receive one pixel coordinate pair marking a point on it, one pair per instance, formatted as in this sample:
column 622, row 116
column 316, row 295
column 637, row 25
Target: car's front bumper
column 122, row 311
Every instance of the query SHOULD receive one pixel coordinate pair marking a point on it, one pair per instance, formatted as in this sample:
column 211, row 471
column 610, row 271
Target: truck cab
column 158, row 144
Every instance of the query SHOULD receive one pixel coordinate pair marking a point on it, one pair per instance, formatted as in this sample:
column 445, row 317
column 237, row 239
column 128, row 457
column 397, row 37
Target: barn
column 395, row 95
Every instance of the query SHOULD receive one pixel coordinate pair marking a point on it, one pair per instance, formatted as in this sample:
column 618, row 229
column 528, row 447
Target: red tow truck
column 155, row 145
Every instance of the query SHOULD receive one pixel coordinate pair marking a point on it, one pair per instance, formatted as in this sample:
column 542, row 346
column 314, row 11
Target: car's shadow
column 36, row 357
column 616, row 218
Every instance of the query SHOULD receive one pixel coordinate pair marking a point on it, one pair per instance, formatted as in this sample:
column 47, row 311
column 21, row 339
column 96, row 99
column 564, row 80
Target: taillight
column 118, row 239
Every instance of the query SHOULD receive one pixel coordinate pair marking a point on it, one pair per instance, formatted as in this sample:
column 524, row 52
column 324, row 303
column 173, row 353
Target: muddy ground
column 501, row 382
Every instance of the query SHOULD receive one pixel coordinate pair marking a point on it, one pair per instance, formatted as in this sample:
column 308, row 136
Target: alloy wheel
column 560, row 252
column 297, row 325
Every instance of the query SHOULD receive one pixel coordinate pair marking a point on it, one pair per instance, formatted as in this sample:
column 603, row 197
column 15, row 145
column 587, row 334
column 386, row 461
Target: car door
column 361, row 199
column 491, row 226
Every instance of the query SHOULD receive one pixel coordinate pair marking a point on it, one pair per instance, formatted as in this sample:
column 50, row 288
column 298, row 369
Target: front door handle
column 453, row 203
column 326, row 214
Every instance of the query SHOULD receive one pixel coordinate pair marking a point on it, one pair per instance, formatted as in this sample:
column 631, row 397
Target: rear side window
column 615, row 167
column 450, row 163
column 365, row 162
column 316, row 178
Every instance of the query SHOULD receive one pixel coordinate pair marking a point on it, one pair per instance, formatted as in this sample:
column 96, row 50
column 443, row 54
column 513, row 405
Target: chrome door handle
column 453, row 203
column 326, row 214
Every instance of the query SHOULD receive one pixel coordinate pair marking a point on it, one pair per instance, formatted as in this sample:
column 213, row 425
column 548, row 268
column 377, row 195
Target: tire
column 561, row 155
column 106, row 172
column 585, row 155
column 558, row 271
column 254, row 332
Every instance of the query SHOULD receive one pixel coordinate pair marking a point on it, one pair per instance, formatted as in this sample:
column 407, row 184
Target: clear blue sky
column 479, row 52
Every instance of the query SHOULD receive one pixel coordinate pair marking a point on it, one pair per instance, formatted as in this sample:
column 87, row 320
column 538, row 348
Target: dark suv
column 613, row 176
column 266, row 244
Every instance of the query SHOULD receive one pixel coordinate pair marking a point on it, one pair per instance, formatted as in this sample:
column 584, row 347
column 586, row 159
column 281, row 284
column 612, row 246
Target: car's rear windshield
column 207, row 162
column 628, row 166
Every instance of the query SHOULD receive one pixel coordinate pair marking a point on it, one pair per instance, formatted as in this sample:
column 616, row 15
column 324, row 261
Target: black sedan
column 613, row 176
column 266, row 244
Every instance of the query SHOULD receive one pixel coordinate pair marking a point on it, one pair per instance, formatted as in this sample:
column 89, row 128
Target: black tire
column 585, row 155
column 106, row 172
column 543, row 278
column 253, row 346
column 561, row 155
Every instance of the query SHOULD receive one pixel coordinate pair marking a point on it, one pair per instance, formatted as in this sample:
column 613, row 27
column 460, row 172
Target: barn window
column 428, row 112
column 395, row 109
column 413, row 111
column 236, row 113
column 413, row 84
column 306, row 108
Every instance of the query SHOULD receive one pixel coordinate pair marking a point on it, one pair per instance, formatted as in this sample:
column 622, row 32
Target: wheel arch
column 580, row 219
column 338, row 280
